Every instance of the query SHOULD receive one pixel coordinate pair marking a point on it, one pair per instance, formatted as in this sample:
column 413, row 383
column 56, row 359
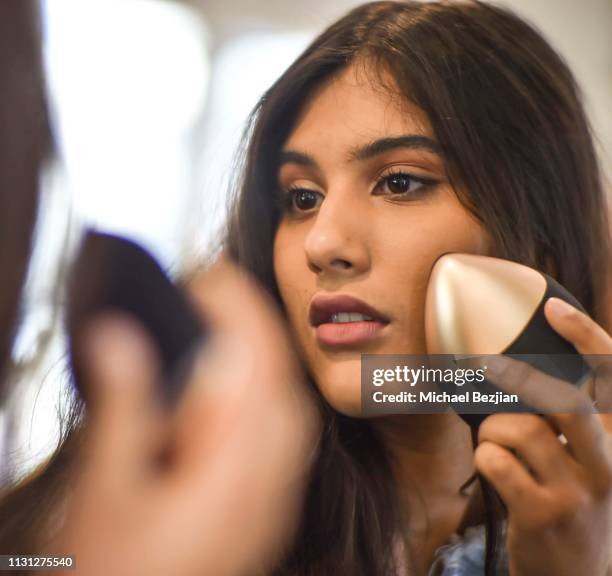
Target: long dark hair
column 507, row 114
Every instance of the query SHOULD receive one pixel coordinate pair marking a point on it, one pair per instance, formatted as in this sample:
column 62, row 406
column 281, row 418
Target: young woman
column 404, row 131
column 407, row 130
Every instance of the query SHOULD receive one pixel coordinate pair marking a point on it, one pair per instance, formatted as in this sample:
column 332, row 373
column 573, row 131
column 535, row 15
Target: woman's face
column 368, row 211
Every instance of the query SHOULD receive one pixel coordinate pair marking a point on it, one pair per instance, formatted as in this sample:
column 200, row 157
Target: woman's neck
column 431, row 457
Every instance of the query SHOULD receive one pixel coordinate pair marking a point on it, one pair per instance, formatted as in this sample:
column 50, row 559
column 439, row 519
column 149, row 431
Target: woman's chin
column 340, row 385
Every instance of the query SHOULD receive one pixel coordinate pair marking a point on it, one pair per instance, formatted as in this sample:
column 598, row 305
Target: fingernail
column 114, row 346
column 560, row 307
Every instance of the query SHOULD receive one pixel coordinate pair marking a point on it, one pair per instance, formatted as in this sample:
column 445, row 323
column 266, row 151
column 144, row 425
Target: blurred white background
column 149, row 98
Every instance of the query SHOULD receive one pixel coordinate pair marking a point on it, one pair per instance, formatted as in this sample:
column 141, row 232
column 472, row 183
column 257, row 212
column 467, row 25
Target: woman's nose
column 337, row 242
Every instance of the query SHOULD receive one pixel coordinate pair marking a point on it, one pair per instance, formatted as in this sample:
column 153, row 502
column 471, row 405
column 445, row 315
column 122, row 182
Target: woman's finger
column 569, row 409
column 588, row 337
column 517, row 488
column 230, row 300
column 588, row 441
column 534, row 441
column 600, row 388
column 248, row 376
column 595, row 344
column 534, row 387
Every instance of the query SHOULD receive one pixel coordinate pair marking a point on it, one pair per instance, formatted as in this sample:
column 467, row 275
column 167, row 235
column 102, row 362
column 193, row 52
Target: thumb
column 125, row 421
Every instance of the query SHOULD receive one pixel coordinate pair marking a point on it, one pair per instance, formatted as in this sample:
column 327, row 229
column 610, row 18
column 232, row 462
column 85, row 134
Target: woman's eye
column 400, row 183
column 299, row 200
column 303, row 199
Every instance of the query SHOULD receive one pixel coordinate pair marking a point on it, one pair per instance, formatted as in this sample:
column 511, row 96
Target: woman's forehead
column 357, row 105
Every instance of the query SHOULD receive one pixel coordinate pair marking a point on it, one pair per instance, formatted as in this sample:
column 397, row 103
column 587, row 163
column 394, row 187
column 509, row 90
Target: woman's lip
column 323, row 307
column 348, row 333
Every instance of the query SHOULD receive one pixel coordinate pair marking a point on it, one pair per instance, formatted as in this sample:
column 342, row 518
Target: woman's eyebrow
column 295, row 157
column 383, row 145
column 374, row 148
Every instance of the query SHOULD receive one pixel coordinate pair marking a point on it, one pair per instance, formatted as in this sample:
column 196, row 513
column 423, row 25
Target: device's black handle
column 543, row 349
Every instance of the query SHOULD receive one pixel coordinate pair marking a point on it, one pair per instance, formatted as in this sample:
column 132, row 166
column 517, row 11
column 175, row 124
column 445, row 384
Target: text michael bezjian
column 444, row 397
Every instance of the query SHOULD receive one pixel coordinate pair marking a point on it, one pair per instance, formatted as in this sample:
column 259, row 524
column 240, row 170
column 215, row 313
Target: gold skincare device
column 479, row 305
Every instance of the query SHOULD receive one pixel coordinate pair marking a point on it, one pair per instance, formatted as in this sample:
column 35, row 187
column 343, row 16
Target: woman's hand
column 214, row 487
column 558, row 495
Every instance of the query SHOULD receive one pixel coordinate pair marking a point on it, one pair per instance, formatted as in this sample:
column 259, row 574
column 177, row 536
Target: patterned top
column 465, row 555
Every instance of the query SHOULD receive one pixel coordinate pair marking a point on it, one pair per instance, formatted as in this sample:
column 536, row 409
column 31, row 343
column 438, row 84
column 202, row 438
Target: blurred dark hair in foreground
column 24, row 143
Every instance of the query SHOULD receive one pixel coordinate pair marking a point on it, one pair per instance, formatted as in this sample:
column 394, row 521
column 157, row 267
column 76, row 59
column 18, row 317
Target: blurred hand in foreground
column 216, row 485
